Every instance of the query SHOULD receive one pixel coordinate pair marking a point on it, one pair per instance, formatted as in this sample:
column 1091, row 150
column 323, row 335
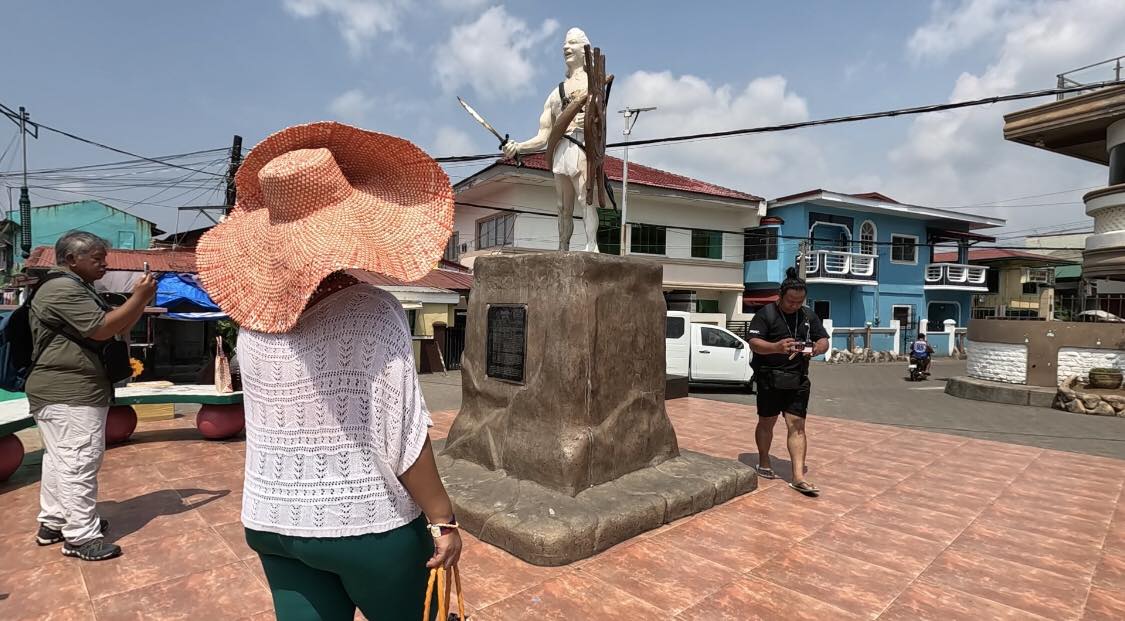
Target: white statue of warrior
column 569, row 162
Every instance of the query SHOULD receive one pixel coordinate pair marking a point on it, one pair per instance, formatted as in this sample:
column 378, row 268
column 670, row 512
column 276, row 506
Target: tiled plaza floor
column 911, row 525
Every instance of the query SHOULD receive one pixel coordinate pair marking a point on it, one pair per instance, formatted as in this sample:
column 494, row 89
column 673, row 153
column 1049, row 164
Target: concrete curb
column 998, row 392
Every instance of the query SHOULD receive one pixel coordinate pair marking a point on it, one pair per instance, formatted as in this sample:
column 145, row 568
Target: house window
column 1030, row 288
column 452, row 249
column 867, row 237
column 822, row 309
column 127, row 240
column 706, row 244
column 609, row 231
column 992, row 279
column 706, row 306
column 647, row 239
column 496, row 231
column 412, row 319
column 904, row 249
column 761, row 244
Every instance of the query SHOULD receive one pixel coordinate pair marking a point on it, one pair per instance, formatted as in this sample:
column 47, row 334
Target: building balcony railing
column 956, row 276
column 834, row 266
column 1105, row 71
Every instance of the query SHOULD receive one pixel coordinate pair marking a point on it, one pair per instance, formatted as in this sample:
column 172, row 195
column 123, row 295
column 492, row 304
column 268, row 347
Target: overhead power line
column 836, row 120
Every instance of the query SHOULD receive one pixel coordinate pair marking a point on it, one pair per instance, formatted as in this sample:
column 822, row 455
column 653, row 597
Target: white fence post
column 951, row 334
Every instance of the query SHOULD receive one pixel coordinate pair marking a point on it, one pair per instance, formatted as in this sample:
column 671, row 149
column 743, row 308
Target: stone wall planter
column 1072, row 398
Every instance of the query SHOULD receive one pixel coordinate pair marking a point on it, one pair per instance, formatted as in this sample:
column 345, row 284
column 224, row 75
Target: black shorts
column 774, row 402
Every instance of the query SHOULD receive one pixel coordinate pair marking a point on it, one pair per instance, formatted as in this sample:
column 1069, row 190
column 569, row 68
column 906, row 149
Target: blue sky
column 160, row 78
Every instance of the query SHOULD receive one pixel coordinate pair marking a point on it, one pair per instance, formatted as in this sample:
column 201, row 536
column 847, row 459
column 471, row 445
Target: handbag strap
column 443, row 586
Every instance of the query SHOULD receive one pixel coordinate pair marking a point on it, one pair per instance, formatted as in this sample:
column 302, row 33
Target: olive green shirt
column 66, row 373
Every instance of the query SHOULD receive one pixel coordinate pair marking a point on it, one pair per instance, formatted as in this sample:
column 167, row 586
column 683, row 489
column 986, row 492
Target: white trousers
column 74, row 443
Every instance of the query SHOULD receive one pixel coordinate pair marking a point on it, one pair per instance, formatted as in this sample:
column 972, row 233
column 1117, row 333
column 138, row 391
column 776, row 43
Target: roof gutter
column 847, row 200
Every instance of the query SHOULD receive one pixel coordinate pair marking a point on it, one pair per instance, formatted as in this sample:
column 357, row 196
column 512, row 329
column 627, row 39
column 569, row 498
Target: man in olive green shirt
column 69, row 393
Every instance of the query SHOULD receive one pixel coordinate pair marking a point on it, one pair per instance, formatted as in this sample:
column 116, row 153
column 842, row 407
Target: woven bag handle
column 438, row 579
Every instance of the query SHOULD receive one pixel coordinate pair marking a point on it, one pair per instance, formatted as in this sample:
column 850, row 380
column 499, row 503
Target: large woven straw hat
column 319, row 198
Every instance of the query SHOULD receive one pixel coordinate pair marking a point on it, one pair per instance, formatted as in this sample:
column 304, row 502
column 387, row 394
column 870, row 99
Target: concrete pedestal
column 566, row 450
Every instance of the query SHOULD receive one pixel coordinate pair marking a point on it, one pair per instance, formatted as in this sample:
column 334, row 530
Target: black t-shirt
column 772, row 325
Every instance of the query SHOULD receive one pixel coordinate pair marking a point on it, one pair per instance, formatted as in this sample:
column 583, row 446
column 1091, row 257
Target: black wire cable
column 835, row 120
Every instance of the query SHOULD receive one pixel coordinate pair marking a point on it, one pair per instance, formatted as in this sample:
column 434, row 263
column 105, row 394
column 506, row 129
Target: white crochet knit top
column 334, row 414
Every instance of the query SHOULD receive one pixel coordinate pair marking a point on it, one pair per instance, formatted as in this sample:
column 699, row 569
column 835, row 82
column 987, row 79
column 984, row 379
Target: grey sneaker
column 48, row 536
column 93, row 550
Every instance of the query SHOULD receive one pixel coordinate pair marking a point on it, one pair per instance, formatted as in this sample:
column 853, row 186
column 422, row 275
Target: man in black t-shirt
column 784, row 336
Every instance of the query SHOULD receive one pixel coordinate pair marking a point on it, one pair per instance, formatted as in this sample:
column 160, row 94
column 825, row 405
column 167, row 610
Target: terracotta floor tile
column 490, row 574
column 852, row 585
column 912, row 520
column 230, row 481
column 1043, row 522
column 1082, row 466
column 1060, row 502
column 77, row 612
column 663, row 575
column 129, row 476
column 227, row 592
column 927, row 602
column 21, row 552
column 940, row 481
column 1105, row 604
column 572, row 595
column 841, row 477
column 157, row 561
column 789, row 516
column 753, row 599
column 1110, row 571
column 34, row 592
column 234, row 534
column 1046, row 553
column 1061, row 482
column 942, row 501
column 254, row 566
column 223, row 510
column 148, row 517
column 877, row 545
column 724, row 540
column 195, row 466
column 1037, row 591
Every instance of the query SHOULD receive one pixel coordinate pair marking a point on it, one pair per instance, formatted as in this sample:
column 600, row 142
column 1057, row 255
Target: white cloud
column 960, row 157
column 759, row 164
column 360, row 21
column 492, row 55
column 462, row 5
column 353, row 106
column 452, row 141
column 952, row 29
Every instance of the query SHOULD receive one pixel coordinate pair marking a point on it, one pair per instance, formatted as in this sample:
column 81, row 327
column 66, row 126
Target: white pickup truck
column 706, row 354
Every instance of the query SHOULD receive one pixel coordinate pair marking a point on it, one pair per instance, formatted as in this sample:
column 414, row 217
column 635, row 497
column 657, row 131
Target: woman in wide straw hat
column 342, row 499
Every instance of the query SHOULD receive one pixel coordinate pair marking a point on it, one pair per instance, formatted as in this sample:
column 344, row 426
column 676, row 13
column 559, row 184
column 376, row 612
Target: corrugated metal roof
column 646, row 175
column 436, row 279
column 43, row 257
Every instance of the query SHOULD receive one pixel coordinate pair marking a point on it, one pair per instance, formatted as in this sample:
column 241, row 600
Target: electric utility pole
column 631, row 116
column 235, row 162
column 22, row 119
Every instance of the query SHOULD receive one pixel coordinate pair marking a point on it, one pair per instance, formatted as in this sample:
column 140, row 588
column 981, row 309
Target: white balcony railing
column 839, row 265
column 956, row 275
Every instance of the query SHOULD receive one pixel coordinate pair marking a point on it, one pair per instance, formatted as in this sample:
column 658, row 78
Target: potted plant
column 1105, row 378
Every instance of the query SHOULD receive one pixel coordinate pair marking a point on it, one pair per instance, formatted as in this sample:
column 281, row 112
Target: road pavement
column 880, row 394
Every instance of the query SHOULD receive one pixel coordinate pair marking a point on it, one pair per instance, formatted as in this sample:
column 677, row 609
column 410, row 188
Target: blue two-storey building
column 869, row 261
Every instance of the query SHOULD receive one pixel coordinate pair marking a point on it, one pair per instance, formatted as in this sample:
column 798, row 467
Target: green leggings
column 313, row 579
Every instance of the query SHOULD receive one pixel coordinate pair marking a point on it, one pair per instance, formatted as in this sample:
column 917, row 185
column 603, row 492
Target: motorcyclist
column 921, row 354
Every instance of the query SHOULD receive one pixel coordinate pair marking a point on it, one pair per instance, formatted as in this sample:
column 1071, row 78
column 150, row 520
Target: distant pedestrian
column 784, row 336
column 69, row 390
column 342, row 499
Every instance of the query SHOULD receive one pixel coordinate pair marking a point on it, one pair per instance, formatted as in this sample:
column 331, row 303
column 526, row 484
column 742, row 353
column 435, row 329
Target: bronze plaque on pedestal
column 506, row 345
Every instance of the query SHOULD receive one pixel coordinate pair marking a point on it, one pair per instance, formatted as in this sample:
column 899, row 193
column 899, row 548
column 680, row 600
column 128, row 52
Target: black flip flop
column 806, row 488
column 765, row 473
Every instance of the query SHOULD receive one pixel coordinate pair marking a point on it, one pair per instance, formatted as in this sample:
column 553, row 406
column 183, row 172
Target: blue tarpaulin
column 185, row 298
